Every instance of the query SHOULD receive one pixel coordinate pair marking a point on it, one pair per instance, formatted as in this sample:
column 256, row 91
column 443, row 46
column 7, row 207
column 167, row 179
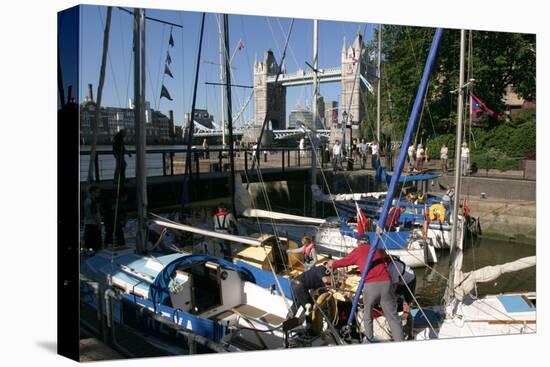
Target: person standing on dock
column 205, row 153
column 224, row 222
column 444, row 156
column 120, row 164
column 465, row 158
column 375, row 149
column 377, row 288
column 336, row 156
column 412, row 153
column 92, row 219
column 363, row 151
column 420, row 155
column 302, row 148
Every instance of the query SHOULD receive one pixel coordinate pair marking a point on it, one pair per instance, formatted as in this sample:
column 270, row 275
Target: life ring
column 437, row 212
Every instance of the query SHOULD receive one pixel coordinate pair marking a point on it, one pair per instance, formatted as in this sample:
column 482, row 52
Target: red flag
column 241, row 45
column 479, row 106
column 466, row 208
column 362, row 221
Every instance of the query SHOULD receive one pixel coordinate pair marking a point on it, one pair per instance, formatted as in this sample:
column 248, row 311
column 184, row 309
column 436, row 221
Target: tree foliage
column 498, row 59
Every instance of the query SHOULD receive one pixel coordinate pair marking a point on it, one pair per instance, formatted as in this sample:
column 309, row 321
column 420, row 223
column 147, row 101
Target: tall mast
column 456, row 252
column 222, row 96
column 394, row 183
column 229, row 111
column 314, row 110
column 95, row 121
column 140, row 129
column 378, row 86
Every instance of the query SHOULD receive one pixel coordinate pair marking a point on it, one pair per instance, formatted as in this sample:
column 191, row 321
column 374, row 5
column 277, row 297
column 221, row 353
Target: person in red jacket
column 377, row 288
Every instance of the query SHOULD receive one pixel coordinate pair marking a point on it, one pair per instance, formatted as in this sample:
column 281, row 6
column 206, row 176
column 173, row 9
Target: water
column 431, row 283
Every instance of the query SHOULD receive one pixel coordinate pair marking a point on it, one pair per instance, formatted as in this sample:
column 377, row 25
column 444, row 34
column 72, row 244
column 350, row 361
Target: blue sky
column 257, row 33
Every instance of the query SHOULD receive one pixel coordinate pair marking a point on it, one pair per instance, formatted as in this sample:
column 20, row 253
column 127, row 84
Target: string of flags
column 164, row 91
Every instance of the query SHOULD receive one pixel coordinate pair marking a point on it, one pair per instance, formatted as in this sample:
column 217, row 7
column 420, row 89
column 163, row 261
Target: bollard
column 299, row 156
column 288, row 158
column 283, row 160
column 163, row 163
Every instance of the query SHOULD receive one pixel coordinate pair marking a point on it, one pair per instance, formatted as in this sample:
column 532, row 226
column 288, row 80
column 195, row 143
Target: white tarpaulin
column 318, row 194
column 467, row 281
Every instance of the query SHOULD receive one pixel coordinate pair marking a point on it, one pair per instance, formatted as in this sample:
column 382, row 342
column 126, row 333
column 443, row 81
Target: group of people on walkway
column 464, row 158
column 358, row 152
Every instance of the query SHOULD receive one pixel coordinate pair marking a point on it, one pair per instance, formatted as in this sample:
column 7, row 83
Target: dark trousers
column 120, row 171
column 374, row 159
column 225, row 247
column 92, row 236
column 118, row 232
column 301, row 296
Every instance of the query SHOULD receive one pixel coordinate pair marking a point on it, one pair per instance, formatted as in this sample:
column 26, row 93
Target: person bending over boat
column 392, row 221
column 309, row 251
column 377, row 289
column 224, row 222
column 312, row 279
column 403, row 281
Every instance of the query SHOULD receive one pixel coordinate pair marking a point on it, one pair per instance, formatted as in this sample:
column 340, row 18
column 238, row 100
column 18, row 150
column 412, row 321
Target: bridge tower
column 353, row 90
column 268, row 96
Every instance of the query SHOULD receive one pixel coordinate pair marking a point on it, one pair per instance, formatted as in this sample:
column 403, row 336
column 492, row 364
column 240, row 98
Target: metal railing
column 170, row 162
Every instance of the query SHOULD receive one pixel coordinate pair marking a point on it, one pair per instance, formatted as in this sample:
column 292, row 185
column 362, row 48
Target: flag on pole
column 171, row 41
column 164, row 93
column 168, row 58
column 241, row 45
column 477, row 105
column 168, row 72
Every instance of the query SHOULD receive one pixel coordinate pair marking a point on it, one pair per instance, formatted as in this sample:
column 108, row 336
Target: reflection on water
column 478, row 253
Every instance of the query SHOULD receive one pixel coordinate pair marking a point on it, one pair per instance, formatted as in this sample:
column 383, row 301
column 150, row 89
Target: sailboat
column 178, row 302
column 464, row 314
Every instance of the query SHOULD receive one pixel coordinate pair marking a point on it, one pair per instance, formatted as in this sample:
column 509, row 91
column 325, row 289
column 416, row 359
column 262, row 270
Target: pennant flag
column 168, row 58
column 164, row 93
column 362, row 221
column 167, row 71
column 241, row 45
column 171, row 42
column 478, row 106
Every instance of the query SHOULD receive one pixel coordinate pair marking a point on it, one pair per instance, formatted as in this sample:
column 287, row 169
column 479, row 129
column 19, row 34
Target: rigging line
column 250, row 69
column 410, row 291
column 182, row 70
column 109, row 60
column 131, row 58
column 264, row 123
column 419, row 70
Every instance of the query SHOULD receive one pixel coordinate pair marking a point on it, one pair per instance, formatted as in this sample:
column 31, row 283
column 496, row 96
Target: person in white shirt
column 302, row 147
column 465, row 158
column 412, row 152
column 444, row 156
column 336, row 156
column 363, row 152
column 375, row 149
column 420, row 157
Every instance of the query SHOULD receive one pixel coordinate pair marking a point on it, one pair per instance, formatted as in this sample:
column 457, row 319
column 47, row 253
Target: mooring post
column 283, row 160
column 164, row 163
column 171, row 163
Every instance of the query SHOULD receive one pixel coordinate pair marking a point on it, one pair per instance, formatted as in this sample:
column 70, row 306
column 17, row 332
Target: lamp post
column 349, row 153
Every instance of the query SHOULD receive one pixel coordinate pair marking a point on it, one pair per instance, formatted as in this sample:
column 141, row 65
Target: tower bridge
column 270, row 96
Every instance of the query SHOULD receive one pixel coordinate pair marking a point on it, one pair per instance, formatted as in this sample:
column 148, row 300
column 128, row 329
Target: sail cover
column 319, row 195
column 467, row 281
column 383, row 176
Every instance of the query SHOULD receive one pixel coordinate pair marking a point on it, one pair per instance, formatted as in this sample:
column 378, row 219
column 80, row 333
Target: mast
column 378, row 86
column 314, row 110
column 187, row 175
column 456, row 251
column 95, row 121
column 229, row 111
column 393, row 186
column 140, row 128
column 222, row 96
